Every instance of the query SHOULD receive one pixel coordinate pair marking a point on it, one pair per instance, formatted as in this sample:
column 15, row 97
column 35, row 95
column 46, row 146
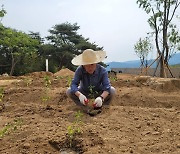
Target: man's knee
column 68, row 92
column 112, row 91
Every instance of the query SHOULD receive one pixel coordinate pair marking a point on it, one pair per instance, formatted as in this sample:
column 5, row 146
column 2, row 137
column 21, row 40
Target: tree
column 36, row 35
column 142, row 49
column 165, row 33
column 15, row 46
column 67, row 44
column 2, row 13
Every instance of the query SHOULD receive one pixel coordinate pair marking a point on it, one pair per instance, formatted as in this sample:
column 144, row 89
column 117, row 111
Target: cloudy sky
column 114, row 24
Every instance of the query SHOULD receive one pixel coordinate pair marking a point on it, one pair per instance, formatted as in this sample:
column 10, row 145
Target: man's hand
column 83, row 99
column 98, row 102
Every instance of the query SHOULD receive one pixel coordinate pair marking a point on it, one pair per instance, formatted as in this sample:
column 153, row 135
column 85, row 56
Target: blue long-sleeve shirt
column 98, row 80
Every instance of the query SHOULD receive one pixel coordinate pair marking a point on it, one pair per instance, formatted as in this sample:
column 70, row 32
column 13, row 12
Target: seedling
column 1, row 94
column 59, row 77
column 74, row 129
column 10, row 127
column 5, row 130
column 69, row 80
column 28, row 81
column 113, row 78
column 45, row 98
column 92, row 93
column 47, row 81
column 78, row 117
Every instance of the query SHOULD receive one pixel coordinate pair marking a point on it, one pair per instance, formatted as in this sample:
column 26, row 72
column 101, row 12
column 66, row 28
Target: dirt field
column 36, row 117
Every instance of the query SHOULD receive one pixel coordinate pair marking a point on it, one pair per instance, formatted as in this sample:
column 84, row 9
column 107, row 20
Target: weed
column 113, row 78
column 45, row 98
column 71, row 134
column 28, row 81
column 10, row 127
column 69, row 80
column 74, row 128
column 59, row 77
column 5, row 130
column 1, row 94
column 47, row 81
column 78, row 117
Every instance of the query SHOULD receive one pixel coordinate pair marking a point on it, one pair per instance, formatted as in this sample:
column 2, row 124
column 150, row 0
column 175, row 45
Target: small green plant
column 47, row 81
column 10, row 127
column 91, row 96
column 69, row 80
column 113, row 78
column 28, row 81
column 74, row 129
column 78, row 117
column 1, row 94
column 45, row 98
column 92, row 93
column 5, row 130
column 59, row 77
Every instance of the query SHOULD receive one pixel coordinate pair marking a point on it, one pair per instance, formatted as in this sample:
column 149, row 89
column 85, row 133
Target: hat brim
column 78, row 60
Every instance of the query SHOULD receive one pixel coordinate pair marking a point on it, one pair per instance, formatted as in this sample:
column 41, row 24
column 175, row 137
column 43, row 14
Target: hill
column 136, row 63
column 175, row 66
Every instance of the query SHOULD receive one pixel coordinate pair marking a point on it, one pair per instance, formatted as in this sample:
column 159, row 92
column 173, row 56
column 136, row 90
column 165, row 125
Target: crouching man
column 90, row 77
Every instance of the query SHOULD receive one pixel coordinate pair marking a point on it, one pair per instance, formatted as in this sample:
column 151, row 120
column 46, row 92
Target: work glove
column 98, row 102
column 83, row 99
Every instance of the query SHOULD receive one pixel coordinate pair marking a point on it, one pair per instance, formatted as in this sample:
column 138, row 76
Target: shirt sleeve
column 105, row 81
column 76, row 80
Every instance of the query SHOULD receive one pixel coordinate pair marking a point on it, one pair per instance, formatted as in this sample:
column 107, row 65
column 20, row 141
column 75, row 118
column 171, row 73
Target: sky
column 115, row 25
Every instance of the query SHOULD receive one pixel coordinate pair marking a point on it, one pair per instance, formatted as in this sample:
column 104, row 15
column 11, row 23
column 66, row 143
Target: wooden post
column 47, row 65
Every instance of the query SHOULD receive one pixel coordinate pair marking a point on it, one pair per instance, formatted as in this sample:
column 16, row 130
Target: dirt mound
column 64, row 72
column 160, row 84
column 39, row 74
column 164, row 84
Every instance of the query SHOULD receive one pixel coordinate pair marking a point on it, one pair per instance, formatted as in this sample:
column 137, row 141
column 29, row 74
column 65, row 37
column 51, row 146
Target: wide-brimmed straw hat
column 89, row 56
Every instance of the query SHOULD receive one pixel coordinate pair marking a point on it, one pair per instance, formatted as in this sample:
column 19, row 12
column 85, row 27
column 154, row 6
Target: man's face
column 90, row 68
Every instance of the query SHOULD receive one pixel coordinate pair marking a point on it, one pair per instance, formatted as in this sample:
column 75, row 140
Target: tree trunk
column 165, row 46
column 61, row 62
column 12, row 67
column 162, row 67
column 13, row 64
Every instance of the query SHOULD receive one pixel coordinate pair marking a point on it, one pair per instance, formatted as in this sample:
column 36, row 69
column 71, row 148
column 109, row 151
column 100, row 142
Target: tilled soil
column 37, row 117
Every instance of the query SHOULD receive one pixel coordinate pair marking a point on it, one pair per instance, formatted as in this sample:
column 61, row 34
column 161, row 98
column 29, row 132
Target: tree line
column 22, row 53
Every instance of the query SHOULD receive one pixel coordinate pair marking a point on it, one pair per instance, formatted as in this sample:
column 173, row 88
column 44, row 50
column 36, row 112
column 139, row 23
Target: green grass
column 175, row 66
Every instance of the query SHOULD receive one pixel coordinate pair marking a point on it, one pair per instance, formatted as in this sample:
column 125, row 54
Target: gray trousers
column 107, row 100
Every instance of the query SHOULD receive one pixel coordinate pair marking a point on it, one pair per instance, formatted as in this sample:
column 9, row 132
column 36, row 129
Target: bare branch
column 175, row 7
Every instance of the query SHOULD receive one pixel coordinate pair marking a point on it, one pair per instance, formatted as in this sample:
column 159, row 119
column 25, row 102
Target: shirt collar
column 95, row 72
